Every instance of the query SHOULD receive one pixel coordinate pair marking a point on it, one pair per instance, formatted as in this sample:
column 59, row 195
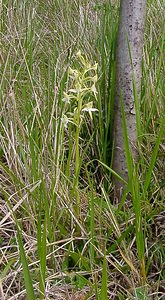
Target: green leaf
column 153, row 159
column 113, row 172
column 104, row 294
column 26, row 272
column 43, row 263
column 6, row 269
column 81, row 281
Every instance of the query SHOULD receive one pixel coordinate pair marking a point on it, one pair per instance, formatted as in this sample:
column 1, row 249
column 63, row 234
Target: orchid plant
column 81, row 95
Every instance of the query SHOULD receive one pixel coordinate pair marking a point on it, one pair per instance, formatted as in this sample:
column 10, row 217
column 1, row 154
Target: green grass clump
column 61, row 232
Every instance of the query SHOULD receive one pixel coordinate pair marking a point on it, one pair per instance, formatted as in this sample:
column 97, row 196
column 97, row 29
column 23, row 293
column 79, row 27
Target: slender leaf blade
column 26, row 271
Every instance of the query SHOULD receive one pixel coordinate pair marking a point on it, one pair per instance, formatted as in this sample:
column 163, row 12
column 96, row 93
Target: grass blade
column 135, row 191
column 26, row 271
column 104, row 294
column 43, row 263
column 153, row 159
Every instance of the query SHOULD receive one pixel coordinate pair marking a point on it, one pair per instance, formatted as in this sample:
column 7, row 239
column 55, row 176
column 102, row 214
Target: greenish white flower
column 73, row 72
column 95, row 66
column 89, row 108
column 65, row 120
column 93, row 89
column 95, row 78
column 66, row 98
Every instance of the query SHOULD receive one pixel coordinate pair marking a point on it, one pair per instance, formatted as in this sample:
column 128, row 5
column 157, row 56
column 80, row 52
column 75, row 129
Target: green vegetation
column 62, row 233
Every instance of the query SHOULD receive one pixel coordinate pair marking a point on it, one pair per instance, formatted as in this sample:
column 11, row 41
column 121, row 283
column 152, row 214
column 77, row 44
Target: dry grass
column 37, row 157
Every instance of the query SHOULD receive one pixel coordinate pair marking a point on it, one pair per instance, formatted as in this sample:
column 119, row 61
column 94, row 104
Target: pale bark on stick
column 130, row 34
